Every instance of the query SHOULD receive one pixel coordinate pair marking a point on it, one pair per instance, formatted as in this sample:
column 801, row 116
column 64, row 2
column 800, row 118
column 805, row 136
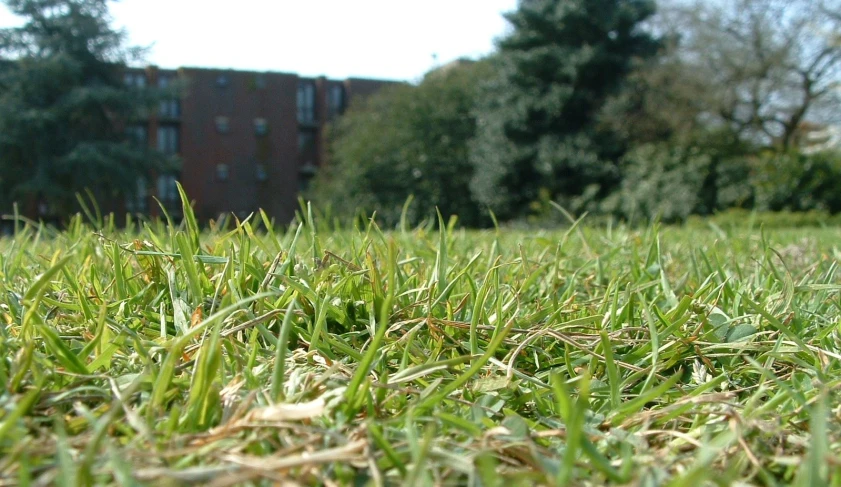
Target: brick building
column 246, row 140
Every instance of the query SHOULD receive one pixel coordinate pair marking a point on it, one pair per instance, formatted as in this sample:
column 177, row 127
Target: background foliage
column 625, row 108
column 554, row 71
column 619, row 109
column 409, row 140
column 64, row 107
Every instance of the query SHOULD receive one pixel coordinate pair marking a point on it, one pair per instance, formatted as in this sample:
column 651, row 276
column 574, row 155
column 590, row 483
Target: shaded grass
column 253, row 355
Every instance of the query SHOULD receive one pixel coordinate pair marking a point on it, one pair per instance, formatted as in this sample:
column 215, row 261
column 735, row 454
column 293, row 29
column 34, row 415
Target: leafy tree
column 537, row 129
column 407, row 141
column 64, row 106
column 761, row 68
column 738, row 86
column 659, row 102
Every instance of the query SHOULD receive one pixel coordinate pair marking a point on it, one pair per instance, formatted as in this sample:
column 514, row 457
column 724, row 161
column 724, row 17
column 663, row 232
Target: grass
column 313, row 355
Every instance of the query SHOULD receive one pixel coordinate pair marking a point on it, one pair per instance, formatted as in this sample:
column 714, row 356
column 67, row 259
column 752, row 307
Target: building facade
column 246, row 140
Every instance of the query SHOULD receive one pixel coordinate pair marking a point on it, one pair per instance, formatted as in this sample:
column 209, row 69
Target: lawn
column 258, row 354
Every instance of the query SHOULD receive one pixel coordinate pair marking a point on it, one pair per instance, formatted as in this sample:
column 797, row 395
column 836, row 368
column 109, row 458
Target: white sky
column 389, row 39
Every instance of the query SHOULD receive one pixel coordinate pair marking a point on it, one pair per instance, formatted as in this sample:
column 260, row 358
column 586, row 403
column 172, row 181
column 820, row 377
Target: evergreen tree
column 65, row 108
column 537, row 131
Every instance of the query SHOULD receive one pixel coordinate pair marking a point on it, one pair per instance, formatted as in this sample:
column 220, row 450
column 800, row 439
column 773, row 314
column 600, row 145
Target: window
column 307, row 173
column 223, row 124
column 306, row 146
column 137, row 202
column 168, row 142
column 138, row 135
column 306, row 102
column 167, row 189
column 171, row 107
column 135, row 79
column 262, row 175
column 222, row 172
column 336, row 100
column 261, row 126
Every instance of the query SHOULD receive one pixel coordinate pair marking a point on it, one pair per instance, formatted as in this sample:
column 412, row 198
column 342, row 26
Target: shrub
column 663, row 181
column 797, row 182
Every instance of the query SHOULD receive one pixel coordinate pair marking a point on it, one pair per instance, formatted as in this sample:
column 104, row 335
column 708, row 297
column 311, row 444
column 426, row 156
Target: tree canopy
column 536, row 119
column 766, row 70
column 64, row 106
column 408, row 141
column 762, row 67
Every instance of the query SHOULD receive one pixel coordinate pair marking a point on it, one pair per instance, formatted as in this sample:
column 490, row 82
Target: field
column 254, row 355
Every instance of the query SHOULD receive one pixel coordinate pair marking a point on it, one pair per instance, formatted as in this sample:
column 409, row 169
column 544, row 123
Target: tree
column 64, row 107
column 746, row 86
column 408, row 141
column 536, row 123
column 658, row 103
column 762, row 68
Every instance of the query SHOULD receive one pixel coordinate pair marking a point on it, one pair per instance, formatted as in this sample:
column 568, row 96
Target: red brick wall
column 243, row 98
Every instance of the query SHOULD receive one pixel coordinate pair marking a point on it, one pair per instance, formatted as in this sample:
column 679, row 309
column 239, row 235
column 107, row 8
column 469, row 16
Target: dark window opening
column 168, row 139
column 306, row 158
column 306, row 102
column 261, row 126
column 138, row 135
column 223, row 125
column 137, row 201
column 261, row 174
column 336, row 100
column 135, row 80
column 306, row 147
column 305, row 177
column 168, row 191
column 171, row 107
column 222, row 172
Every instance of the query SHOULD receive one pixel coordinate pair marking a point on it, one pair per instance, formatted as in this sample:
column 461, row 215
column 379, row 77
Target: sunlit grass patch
column 258, row 354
